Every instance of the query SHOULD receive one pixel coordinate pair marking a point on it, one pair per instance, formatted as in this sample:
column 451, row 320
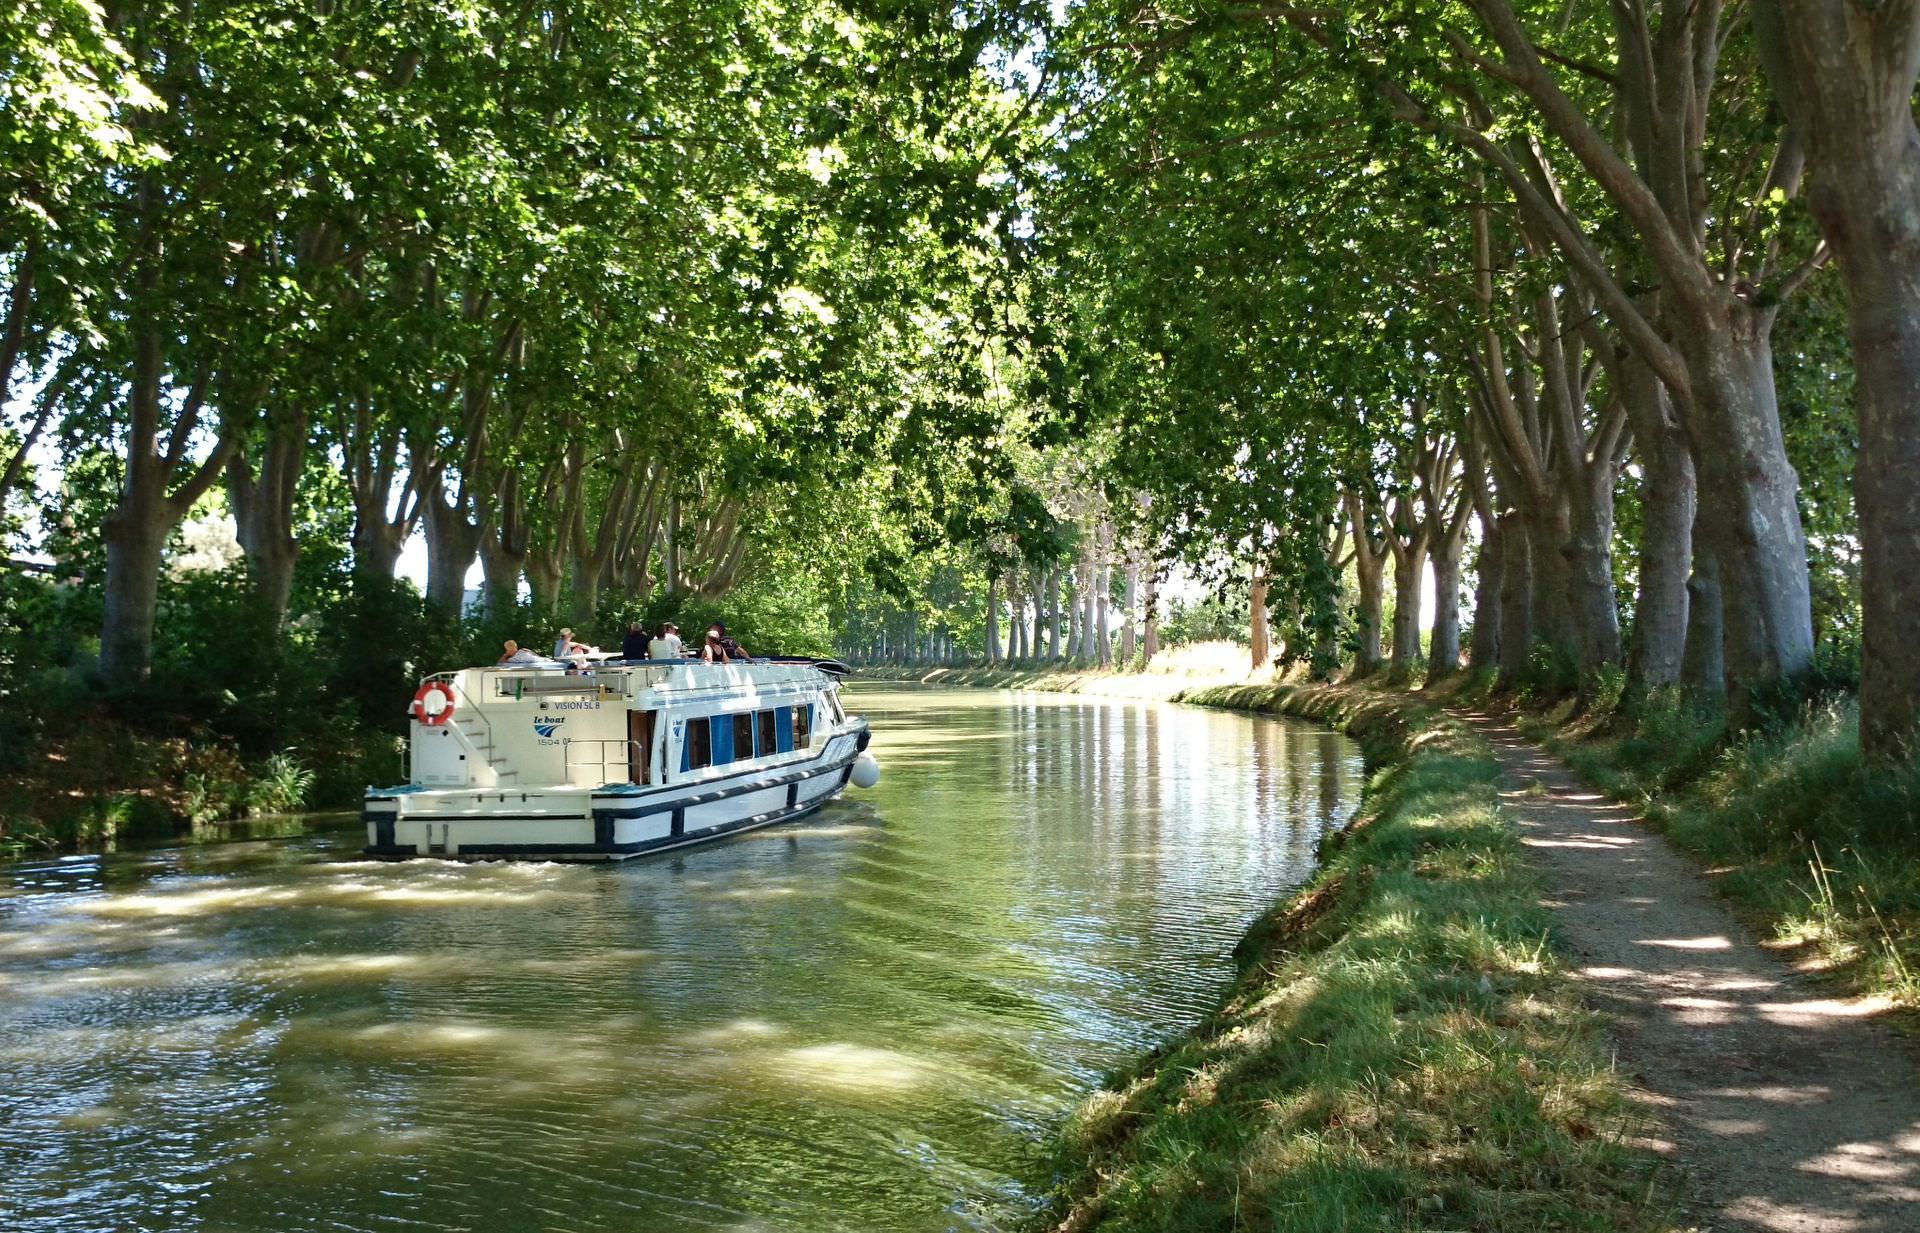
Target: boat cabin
column 676, row 722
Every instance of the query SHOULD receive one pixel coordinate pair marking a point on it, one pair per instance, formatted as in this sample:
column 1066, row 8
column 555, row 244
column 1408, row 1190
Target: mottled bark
column 1053, row 611
column 1703, row 668
column 1150, row 639
column 1260, row 635
column 1749, row 503
column 263, row 504
column 1369, row 566
column 1409, row 581
column 993, row 620
column 453, row 543
column 1443, row 653
column 1516, row 599
column 1592, row 607
column 1657, row 646
column 1845, row 75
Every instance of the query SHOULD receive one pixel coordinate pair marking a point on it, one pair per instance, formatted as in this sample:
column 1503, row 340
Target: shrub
column 280, row 785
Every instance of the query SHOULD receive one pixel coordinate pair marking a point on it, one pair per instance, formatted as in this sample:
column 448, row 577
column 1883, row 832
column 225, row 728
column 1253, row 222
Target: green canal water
column 868, row 1020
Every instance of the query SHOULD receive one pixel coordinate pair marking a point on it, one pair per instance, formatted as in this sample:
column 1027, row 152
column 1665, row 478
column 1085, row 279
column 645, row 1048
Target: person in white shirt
column 667, row 645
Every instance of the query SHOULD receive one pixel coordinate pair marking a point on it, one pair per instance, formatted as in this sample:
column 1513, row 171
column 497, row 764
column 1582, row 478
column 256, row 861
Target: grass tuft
column 1402, row 1049
column 1817, row 848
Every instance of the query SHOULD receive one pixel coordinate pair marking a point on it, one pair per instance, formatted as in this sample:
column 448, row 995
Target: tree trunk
column 1516, row 599
column 1053, row 611
column 1443, row 646
column 1370, row 610
column 1128, row 646
column 1592, row 607
column 135, row 534
column 1703, row 668
column 1151, row 636
column 1657, row 646
column 263, row 509
column 502, row 567
column 993, row 620
column 452, row 544
column 1103, row 588
column 1484, row 654
column 1260, row 635
column 1409, row 579
column 1548, row 533
column 1748, row 495
column 1090, row 575
column 1845, row 74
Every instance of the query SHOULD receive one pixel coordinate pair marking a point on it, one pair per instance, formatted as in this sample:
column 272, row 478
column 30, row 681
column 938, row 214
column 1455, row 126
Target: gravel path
column 1792, row 1111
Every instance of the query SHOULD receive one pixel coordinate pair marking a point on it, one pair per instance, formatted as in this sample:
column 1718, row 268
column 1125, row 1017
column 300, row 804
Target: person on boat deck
column 564, row 647
column 668, row 644
column 634, row 645
column 734, row 649
column 713, row 651
column 517, row 654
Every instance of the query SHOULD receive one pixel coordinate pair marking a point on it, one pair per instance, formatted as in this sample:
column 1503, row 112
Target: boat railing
column 629, row 752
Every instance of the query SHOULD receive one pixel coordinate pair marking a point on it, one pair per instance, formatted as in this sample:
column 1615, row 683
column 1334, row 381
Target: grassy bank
column 1818, row 851
column 1401, row 1049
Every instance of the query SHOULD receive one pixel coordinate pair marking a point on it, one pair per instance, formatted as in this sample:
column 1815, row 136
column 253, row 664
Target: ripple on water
column 866, row 1021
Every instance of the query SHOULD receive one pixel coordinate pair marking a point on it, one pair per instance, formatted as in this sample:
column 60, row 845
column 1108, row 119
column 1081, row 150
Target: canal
column 868, row 1020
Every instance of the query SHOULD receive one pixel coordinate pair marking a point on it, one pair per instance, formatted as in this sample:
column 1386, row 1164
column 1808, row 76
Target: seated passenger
column 517, row 655
column 634, row 645
column 734, row 649
column 564, row 647
column 713, row 651
column 667, row 645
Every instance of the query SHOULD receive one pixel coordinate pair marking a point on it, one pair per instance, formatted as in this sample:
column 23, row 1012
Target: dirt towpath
column 1791, row 1111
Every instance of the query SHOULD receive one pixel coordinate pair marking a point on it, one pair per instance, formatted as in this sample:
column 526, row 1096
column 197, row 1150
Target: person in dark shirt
column 634, row 645
column 734, row 649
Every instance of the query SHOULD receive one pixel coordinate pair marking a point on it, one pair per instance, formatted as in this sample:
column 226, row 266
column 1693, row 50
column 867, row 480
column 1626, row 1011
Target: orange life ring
column 428, row 714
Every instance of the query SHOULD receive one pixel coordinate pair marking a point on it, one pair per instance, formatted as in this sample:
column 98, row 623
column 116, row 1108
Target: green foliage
column 279, row 784
column 1219, row 616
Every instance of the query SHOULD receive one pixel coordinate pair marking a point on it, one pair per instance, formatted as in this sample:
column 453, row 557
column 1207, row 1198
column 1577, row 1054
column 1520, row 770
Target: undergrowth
column 1401, row 1050
column 1821, row 850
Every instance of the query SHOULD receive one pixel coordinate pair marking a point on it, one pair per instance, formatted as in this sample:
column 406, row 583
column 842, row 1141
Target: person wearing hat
column 667, row 645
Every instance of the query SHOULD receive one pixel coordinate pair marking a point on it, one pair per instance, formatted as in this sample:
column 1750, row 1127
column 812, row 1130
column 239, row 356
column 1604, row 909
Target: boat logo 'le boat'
column 624, row 758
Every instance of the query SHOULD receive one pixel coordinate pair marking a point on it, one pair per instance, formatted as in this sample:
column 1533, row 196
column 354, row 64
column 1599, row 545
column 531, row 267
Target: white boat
column 616, row 760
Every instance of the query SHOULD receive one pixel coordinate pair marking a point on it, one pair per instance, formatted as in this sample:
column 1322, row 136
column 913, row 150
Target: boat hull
column 615, row 822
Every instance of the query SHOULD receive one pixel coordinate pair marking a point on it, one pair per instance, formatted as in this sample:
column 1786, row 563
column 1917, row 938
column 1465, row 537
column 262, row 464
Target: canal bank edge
column 1402, row 1047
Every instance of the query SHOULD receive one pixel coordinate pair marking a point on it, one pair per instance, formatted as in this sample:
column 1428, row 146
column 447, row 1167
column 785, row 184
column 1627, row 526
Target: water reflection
column 866, row 1021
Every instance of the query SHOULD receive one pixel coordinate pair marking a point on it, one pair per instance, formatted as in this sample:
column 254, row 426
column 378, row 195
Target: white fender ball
column 866, row 771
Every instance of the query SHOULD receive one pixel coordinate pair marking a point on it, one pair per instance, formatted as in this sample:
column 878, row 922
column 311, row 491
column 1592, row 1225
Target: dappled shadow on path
column 1794, row 1111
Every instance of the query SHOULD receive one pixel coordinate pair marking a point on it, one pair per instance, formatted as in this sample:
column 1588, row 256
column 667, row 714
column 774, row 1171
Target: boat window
column 743, row 736
column 803, row 725
column 722, row 739
column 697, row 750
column 833, row 704
column 783, row 728
column 765, row 742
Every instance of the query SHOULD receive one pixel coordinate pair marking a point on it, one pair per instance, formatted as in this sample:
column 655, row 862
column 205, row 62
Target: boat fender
column 866, row 771
column 433, row 705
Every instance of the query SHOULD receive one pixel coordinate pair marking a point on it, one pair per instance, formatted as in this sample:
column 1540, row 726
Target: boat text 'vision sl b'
column 557, row 763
